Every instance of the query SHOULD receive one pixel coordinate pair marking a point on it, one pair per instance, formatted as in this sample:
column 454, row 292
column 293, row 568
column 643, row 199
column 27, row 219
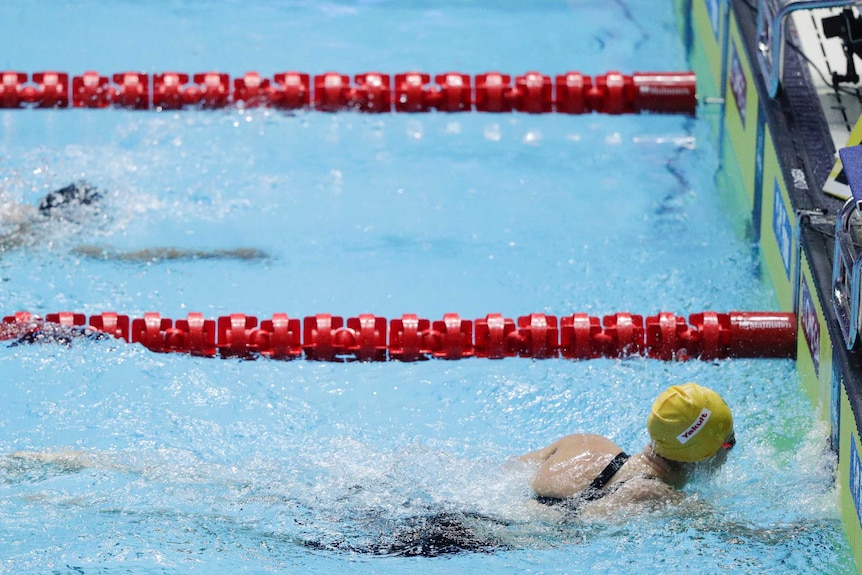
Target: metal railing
column 847, row 260
column 770, row 35
column 846, row 275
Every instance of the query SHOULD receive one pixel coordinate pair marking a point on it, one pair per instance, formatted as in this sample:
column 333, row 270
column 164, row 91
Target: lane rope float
column 373, row 92
column 366, row 337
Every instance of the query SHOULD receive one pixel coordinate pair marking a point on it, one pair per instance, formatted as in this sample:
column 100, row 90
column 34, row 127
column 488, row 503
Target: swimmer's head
column 61, row 204
column 689, row 423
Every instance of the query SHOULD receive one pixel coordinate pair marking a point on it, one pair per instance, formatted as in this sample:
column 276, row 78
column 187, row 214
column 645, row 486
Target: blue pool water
column 216, row 466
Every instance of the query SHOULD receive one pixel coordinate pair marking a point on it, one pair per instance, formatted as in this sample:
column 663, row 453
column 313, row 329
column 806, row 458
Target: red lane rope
column 706, row 335
column 533, row 92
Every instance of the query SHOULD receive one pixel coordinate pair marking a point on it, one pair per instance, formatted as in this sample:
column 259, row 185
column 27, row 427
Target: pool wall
column 773, row 177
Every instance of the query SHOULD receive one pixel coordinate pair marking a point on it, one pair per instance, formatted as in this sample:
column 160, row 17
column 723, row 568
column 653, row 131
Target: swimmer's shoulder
column 632, row 496
column 638, row 482
column 624, row 500
column 644, row 488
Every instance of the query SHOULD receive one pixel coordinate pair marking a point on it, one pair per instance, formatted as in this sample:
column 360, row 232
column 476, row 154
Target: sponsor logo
column 738, row 83
column 664, row 90
column 810, row 326
column 856, row 478
column 751, row 325
column 695, row 427
column 782, row 228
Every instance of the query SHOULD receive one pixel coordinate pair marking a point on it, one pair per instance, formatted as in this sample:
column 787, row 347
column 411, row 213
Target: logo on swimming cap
column 689, row 423
column 695, row 427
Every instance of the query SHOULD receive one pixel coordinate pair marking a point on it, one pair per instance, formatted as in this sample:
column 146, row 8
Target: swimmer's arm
column 19, row 235
column 155, row 255
column 17, row 214
column 70, row 461
column 17, row 220
column 11, row 241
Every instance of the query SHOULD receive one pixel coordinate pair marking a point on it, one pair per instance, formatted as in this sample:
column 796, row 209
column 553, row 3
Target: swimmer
column 20, row 222
column 80, row 202
column 581, row 476
column 39, row 331
column 691, row 429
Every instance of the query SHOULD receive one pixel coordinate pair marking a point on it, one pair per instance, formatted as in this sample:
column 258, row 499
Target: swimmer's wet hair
column 73, row 195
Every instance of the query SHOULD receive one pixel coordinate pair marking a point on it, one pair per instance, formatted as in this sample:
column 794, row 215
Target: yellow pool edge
column 755, row 178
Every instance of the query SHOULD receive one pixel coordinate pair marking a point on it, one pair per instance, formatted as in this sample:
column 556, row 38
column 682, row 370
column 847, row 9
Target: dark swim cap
column 77, row 194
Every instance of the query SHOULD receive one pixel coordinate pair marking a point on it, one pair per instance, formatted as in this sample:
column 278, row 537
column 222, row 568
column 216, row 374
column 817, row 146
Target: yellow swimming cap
column 689, row 423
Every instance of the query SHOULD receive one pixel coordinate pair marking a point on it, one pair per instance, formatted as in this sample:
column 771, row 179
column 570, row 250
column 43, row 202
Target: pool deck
column 841, row 108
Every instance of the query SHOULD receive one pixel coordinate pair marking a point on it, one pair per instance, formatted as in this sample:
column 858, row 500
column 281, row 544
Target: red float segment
column 66, row 318
column 623, row 335
column 252, row 91
column 762, row 334
column 666, row 336
column 611, row 94
column 571, row 93
column 319, row 336
column 10, row 89
column 406, row 338
column 581, row 337
column 151, row 332
column 211, row 90
column 91, row 91
column 51, row 90
column 133, row 91
column 367, row 341
column 373, row 93
column 496, row 337
column 111, row 323
column 664, row 93
column 332, row 92
column 279, row 337
column 235, row 334
column 450, row 338
column 292, row 91
column 533, row 93
column 20, row 317
column 20, row 324
column 196, row 334
column 711, row 330
column 169, row 90
column 455, row 93
column 494, row 92
column 412, row 93
column 539, row 336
